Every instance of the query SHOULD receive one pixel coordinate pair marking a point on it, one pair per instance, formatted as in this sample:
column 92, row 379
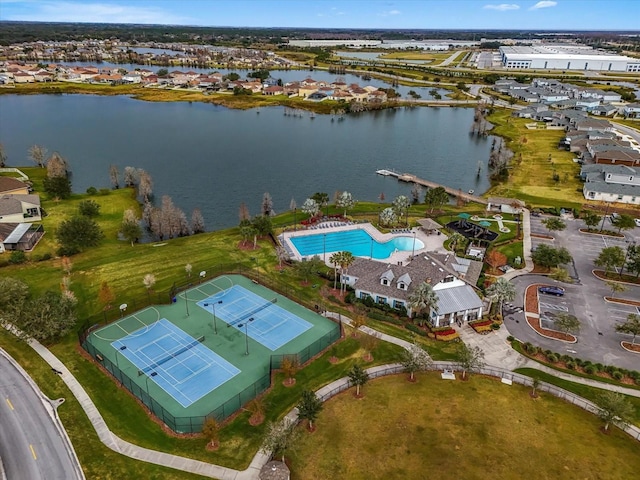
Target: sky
column 427, row 14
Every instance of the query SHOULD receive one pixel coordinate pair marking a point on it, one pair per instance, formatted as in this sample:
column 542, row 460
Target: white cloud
column 65, row 11
column 389, row 13
column 544, row 4
column 503, row 7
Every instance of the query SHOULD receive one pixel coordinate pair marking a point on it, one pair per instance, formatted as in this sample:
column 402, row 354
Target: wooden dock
column 407, row 177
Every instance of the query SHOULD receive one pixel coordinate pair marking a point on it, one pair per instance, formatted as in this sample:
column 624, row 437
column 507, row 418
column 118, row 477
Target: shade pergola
column 484, row 223
column 465, row 216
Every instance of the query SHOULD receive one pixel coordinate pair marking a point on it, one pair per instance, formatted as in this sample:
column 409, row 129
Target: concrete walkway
column 526, row 248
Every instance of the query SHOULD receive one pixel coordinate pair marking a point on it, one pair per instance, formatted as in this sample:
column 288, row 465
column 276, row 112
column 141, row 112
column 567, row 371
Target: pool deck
column 431, row 242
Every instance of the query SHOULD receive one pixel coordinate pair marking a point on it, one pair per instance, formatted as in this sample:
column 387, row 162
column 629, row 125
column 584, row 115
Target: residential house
column 273, row 90
column 606, row 110
column 13, row 186
column 628, row 157
column 631, row 110
column 22, row 77
column 20, row 208
column 394, row 285
column 19, row 236
column 611, row 183
column 504, row 205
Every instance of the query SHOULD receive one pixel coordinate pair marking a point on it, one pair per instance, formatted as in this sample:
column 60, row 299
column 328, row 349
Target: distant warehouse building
column 334, row 43
column 565, row 57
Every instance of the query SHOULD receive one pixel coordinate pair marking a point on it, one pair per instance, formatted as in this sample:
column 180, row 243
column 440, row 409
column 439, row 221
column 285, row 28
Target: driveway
column 597, row 341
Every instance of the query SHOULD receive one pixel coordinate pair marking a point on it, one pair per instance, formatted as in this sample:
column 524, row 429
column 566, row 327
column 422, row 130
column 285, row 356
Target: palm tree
column 346, row 260
column 335, row 261
column 501, row 291
column 423, row 298
column 454, row 239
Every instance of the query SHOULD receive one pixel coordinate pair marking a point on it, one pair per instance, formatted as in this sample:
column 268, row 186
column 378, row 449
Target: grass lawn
column 461, row 430
column 513, row 250
column 532, row 179
column 590, row 393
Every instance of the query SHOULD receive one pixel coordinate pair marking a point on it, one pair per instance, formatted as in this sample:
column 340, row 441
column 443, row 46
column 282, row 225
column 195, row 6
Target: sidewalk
column 526, row 248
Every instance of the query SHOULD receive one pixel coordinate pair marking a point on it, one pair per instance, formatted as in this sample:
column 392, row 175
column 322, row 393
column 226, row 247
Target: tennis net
column 252, row 312
column 171, row 355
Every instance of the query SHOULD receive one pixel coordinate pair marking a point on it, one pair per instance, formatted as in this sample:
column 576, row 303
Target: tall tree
column 130, row 227
column 145, row 185
column 346, row 260
column 310, row 207
column 89, row 208
column 211, row 431
column 358, row 376
column 57, row 187
column 114, row 176
column 415, row 359
column 308, row 268
column 549, row 257
column 630, row 327
column 469, row 358
column 267, row 204
column 57, row 166
column 401, row 206
column 610, row 257
column 613, row 407
column 289, row 368
column 423, row 299
column 554, row 224
column 309, row 407
column 454, row 240
column 495, row 259
column 197, row 221
column 38, row 154
column 345, row 201
column 263, row 225
column 322, row 199
column 106, row 296
column 78, row 233
column 501, row 291
column 591, row 219
column 436, row 197
column 633, row 259
column 388, row 217
column 130, row 176
column 615, row 287
column 13, row 292
column 624, row 222
column 416, row 193
column 334, row 259
column 279, row 438
column 149, row 280
column 567, row 323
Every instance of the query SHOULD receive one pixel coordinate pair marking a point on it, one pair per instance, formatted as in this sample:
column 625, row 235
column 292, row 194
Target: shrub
column 552, row 357
column 350, row 297
column 449, row 337
column 384, row 318
column 89, row 208
column 589, row 369
column 333, row 299
column 495, row 326
column 44, row 257
column 571, row 365
column 415, row 329
column 527, row 346
column 104, row 191
column 510, row 338
column 92, row 191
column 618, row 375
column 598, row 367
column 17, row 257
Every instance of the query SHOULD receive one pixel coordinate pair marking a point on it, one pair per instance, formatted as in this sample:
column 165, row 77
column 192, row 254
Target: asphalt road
column 31, row 447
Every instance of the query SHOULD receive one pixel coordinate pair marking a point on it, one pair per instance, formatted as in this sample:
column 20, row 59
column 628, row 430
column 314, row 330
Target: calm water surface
column 215, row 158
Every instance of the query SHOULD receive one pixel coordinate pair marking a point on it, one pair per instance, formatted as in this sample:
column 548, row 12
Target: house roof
column 11, row 204
column 456, row 299
column 604, row 168
column 18, row 233
column 505, row 201
column 8, row 184
column 429, row 224
column 601, row 186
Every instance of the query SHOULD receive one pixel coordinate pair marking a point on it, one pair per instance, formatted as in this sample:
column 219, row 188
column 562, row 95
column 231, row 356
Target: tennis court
column 175, row 361
column 183, row 361
column 264, row 321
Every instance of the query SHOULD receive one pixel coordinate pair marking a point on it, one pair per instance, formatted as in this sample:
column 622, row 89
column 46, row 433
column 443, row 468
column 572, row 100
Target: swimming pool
column 356, row 241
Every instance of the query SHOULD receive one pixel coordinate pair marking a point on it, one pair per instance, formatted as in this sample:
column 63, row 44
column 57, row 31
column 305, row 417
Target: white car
column 637, row 220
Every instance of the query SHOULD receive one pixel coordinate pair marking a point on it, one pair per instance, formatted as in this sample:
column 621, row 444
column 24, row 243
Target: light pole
column 371, row 249
column 294, row 219
column 186, row 301
column 213, row 305
column 604, row 217
column 246, row 333
column 146, row 380
column 413, row 250
column 324, row 247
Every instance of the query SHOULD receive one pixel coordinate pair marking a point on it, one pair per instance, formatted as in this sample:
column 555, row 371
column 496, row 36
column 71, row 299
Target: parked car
column 551, row 290
column 637, row 220
column 615, row 216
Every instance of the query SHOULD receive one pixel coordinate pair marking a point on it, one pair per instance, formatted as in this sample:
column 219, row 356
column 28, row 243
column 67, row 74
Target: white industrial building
column 566, row 57
column 334, row 43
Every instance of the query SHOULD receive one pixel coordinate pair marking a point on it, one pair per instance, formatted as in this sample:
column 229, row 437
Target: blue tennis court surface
column 175, row 361
column 263, row 320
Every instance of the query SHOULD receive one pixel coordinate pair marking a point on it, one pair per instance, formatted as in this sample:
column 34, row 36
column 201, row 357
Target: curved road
column 31, row 446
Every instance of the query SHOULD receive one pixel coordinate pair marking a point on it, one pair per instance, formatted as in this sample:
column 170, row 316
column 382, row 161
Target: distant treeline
column 19, row 32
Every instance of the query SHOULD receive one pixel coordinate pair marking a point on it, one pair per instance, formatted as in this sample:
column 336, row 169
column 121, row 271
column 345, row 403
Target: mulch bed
column 289, row 382
column 614, row 277
column 631, row 347
column 531, row 306
column 624, row 301
column 603, row 233
column 543, row 236
column 247, row 246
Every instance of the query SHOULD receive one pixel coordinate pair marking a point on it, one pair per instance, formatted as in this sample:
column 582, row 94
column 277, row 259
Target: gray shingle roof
column 456, row 299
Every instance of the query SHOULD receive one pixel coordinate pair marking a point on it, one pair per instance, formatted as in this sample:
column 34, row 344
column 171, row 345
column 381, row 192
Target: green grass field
column 458, row 430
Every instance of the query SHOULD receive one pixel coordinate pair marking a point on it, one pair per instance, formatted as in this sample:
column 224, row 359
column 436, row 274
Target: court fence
column 193, row 424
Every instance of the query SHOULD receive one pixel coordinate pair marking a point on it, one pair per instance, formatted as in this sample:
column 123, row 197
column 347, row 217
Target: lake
column 214, row 158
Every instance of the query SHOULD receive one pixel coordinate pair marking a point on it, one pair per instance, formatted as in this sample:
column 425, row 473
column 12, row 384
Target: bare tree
column 130, row 176
column 113, row 176
column 243, row 213
column 267, row 204
column 185, row 228
column 56, row 166
column 149, row 281
column 147, row 213
column 197, row 221
column 38, row 154
column 145, row 185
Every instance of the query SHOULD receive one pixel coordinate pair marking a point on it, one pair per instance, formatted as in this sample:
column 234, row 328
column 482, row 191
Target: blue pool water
column 357, row 241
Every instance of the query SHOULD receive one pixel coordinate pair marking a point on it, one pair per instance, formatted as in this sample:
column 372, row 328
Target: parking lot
column 597, row 339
